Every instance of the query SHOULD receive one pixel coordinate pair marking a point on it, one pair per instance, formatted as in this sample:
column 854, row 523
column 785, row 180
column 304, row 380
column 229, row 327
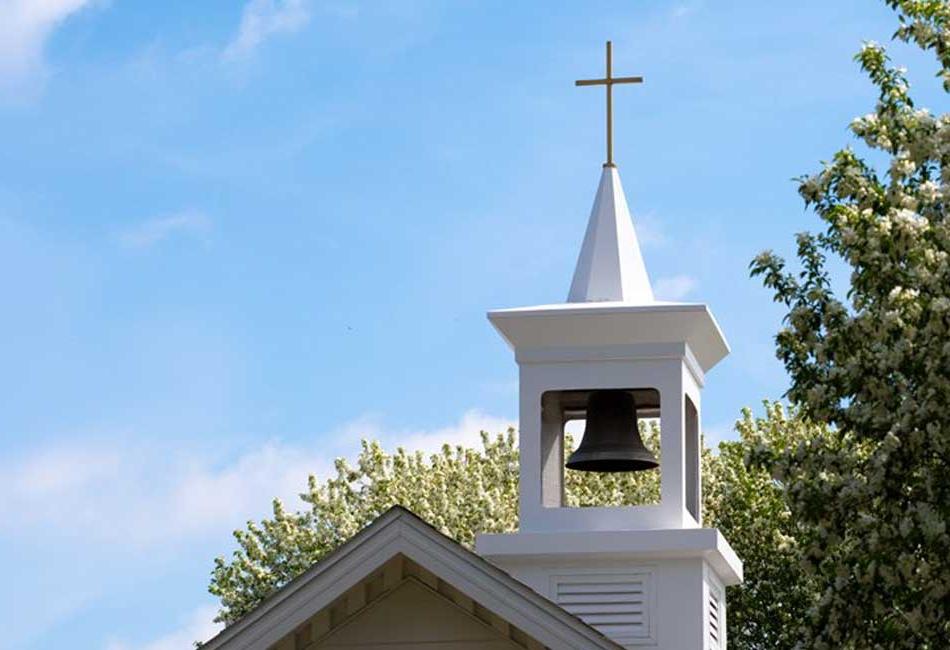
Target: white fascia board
column 614, row 323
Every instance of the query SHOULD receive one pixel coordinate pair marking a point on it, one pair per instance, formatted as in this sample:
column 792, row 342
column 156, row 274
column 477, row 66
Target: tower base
column 662, row 589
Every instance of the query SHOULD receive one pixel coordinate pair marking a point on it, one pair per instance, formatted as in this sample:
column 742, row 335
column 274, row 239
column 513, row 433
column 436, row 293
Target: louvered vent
column 616, row 605
column 714, row 618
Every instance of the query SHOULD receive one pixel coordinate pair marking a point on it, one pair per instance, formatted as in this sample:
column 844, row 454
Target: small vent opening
column 616, row 606
column 714, row 619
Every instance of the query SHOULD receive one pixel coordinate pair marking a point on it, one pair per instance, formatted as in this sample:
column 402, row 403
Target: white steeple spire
column 610, row 266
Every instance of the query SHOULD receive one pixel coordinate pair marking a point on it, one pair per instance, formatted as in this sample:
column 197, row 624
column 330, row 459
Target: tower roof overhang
column 605, row 324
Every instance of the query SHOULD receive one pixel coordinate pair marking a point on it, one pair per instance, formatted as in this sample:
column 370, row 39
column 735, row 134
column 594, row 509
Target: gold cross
column 609, row 81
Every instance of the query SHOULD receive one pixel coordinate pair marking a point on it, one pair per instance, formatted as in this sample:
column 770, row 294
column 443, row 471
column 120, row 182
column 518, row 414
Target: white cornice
column 608, row 324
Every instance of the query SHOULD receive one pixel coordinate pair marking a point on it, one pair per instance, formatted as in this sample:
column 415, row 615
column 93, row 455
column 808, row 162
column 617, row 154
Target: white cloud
column 650, row 232
column 262, row 19
column 674, row 287
column 146, row 495
column 466, row 432
column 198, row 627
column 686, row 9
column 59, row 470
column 153, row 231
column 25, row 27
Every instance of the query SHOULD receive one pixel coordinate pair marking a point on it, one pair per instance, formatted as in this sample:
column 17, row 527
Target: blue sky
column 235, row 237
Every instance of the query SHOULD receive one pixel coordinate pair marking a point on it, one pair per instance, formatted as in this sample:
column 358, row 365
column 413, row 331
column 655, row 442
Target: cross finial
column 609, row 82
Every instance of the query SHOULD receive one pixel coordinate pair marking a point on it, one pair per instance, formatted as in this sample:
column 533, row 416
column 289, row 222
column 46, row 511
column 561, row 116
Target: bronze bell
column 612, row 440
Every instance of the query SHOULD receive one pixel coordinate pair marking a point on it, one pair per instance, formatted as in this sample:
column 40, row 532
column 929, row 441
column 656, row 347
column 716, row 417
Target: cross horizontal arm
column 612, row 80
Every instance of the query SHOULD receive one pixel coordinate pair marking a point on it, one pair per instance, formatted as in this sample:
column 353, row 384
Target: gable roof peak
column 399, row 532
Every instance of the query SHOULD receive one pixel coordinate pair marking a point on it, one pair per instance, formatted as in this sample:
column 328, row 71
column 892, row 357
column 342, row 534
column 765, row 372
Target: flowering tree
column 464, row 491
column 871, row 493
column 460, row 491
column 748, row 506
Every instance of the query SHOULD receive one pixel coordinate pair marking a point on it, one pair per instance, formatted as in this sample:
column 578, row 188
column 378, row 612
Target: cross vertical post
column 609, row 82
column 610, row 107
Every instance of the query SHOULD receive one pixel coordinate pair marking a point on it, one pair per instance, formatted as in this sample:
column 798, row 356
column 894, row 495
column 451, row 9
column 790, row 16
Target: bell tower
column 644, row 575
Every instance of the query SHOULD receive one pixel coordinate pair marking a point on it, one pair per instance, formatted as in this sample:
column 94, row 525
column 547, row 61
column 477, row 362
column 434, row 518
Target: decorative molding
column 634, row 352
column 382, row 583
column 566, row 547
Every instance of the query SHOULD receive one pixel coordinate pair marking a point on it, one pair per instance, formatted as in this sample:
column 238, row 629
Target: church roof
column 400, row 533
column 610, row 266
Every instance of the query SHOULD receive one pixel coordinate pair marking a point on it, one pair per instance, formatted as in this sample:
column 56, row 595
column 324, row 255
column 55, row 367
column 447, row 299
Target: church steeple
column 610, row 266
column 647, row 573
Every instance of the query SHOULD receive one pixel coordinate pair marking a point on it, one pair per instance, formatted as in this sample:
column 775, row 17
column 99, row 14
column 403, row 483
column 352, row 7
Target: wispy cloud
column 262, row 19
column 674, row 287
column 55, row 471
column 198, row 627
column 685, row 9
column 85, row 488
column 187, row 496
column 25, row 27
column 650, row 232
column 152, row 231
column 466, row 432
